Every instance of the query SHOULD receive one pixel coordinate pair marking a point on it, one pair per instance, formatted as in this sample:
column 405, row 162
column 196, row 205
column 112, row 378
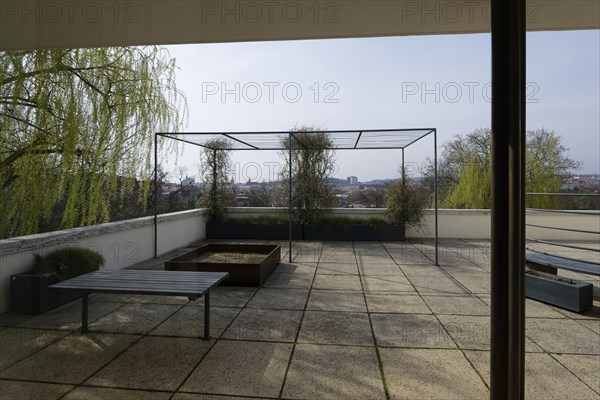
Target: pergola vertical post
column 290, row 222
column 508, row 200
column 156, row 195
column 435, row 195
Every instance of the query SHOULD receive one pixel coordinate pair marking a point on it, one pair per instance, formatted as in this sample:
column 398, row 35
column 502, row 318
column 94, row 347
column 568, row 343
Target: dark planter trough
column 29, row 294
column 240, row 274
column 354, row 232
column 233, row 230
column 562, row 292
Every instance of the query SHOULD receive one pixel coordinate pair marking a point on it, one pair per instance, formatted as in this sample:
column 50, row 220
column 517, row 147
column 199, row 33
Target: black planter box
column 574, row 296
column 233, row 230
column 354, row 232
column 29, row 294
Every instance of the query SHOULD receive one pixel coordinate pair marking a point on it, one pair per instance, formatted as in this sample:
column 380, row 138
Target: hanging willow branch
column 77, row 126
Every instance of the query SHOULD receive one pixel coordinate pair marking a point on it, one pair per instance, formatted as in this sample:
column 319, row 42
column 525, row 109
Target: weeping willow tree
column 465, row 169
column 77, row 127
column 216, row 164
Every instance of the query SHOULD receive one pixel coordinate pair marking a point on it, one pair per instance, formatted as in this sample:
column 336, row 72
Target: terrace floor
column 362, row 320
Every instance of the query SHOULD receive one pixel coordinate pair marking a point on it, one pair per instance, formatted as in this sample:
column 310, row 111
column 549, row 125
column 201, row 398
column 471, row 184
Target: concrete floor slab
column 196, row 396
column 153, row 363
column 336, row 328
column 68, row 316
column 289, row 281
column 18, row 390
column 17, row 343
column 564, row 336
column 431, row 374
column 189, row 322
column 457, row 305
column 265, row 325
column 134, row 318
column 241, row 369
column 379, row 269
column 393, row 283
column 72, row 359
column 545, row 378
column 586, row 368
column 280, row 299
column 394, row 302
column 150, row 299
column 288, row 268
column 346, row 268
column 336, row 300
column 333, row 372
column 228, row 296
column 410, row 330
column 95, row 393
column 337, row 282
column 438, row 285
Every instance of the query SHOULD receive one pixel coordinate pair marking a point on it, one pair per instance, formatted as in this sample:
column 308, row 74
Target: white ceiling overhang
column 36, row 24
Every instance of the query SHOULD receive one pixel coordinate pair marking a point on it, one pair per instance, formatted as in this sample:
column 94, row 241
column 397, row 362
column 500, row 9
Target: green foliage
column 67, row 263
column 261, row 220
column 347, row 221
column 405, row 201
column 216, row 163
column 312, row 163
column 77, row 126
column 464, row 169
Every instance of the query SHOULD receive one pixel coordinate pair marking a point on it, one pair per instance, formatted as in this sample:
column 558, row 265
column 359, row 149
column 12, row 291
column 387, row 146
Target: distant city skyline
column 441, row 82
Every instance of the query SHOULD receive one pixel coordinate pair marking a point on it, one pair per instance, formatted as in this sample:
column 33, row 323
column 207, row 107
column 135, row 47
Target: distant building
column 353, row 180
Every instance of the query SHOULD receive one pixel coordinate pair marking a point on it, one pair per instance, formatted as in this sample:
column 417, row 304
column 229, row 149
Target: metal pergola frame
column 367, row 139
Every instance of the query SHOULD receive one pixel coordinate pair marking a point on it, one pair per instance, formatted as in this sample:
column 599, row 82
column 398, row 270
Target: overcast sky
column 441, row 82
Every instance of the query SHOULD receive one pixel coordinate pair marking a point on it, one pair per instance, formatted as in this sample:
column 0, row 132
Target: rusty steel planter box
column 240, row 274
column 575, row 296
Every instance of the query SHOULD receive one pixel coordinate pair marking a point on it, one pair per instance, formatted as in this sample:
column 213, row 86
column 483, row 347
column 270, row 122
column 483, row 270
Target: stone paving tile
column 537, row 309
column 336, row 328
column 337, row 282
column 410, row 330
column 475, row 282
column 112, row 297
column 12, row 319
column 189, row 322
column 260, row 372
column 564, row 336
column 281, row 299
column 439, row 285
column 15, row 390
column 68, row 317
column 17, row 344
column 430, row 374
column 295, row 268
column 410, row 257
column 154, row 363
column 593, row 325
column 71, row 359
column 265, row 325
column 428, row 270
column 545, row 378
column 394, row 283
column 379, row 269
column 289, row 281
column 349, row 268
column 196, row 396
column 334, row 300
column 134, row 318
column 363, row 260
column 457, row 305
column 228, row 296
column 586, row 368
column 381, row 302
column 150, row 299
column 95, row 393
column 333, row 372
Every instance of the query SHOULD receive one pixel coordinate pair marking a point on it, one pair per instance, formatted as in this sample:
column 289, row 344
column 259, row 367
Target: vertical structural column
column 290, row 196
column 508, row 200
column 155, row 195
column 435, row 195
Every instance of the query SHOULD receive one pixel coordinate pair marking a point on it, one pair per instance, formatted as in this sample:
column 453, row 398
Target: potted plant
column 29, row 290
column 346, row 228
column 264, row 227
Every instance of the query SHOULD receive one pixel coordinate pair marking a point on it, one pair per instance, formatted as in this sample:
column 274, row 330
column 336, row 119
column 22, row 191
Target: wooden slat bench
column 551, row 263
column 160, row 283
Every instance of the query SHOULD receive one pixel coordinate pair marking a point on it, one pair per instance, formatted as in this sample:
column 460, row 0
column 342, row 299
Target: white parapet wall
column 122, row 243
column 464, row 224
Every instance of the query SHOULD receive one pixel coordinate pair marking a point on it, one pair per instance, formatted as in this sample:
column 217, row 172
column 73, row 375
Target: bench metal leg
column 84, row 313
column 207, row 315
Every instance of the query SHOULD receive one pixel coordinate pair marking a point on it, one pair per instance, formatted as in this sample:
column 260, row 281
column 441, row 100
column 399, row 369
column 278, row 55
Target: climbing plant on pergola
column 373, row 139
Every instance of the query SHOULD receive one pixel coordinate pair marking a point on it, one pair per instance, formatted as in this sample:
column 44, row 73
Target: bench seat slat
column 566, row 263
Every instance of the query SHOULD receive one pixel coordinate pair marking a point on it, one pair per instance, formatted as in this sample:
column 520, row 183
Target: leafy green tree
column 216, row 163
column 261, row 196
column 405, row 201
column 464, row 169
column 313, row 161
column 76, row 125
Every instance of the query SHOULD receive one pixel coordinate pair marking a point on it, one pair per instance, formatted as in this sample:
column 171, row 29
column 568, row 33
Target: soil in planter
column 230, row 257
column 551, row 277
